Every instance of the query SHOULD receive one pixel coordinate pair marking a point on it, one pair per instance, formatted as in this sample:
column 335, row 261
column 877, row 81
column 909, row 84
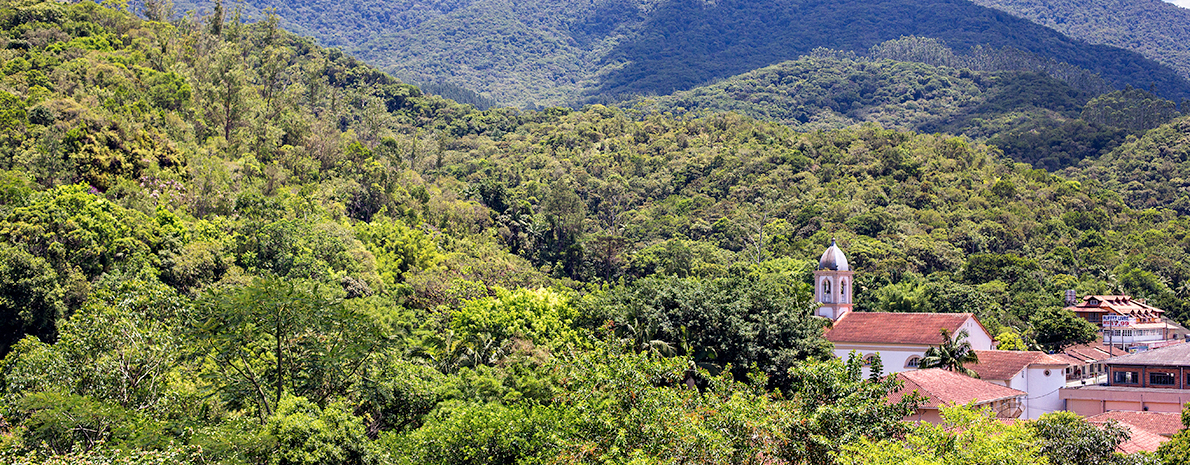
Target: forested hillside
column 1153, row 28
column 538, row 53
column 1038, row 113
column 222, row 243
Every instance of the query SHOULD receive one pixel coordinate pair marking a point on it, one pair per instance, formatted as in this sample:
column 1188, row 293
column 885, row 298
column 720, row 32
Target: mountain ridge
column 540, row 53
column 1154, row 28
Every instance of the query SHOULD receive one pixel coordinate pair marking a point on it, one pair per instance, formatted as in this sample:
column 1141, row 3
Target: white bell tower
column 833, row 283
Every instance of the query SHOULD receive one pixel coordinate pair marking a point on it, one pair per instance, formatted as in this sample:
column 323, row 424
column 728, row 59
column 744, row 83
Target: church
column 902, row 339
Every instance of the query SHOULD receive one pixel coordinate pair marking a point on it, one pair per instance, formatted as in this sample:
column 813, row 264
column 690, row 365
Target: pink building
column 1151, row 381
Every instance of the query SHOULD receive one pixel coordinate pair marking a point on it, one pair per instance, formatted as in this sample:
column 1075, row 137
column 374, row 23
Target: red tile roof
column 1164, row 424
column 945, row 388
column 1140, row 441
column 1093, row 352
column 895, row 328
column 1118, row 304
column 1067, row 359
column 1003, row 365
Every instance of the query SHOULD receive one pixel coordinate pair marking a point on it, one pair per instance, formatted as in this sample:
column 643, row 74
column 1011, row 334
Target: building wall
column 1133, row 338
column 1143, row 378
column 1003, row 409
column 977, row 336
column 1043, row 390
column 896, row 356
column 1085, row 407
column 928, row 415
column 833, row 289
column 893, row 357
column 1087, row 401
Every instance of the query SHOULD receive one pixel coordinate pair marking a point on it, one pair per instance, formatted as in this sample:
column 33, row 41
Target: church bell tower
column 833, row 283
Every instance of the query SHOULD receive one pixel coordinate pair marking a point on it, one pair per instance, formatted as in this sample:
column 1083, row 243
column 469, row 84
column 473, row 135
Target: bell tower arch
column 833, row 284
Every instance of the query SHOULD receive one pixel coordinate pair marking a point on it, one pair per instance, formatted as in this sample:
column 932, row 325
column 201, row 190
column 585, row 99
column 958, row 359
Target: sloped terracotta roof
column 1160, row 423
column 1140, row 441
column 1067, row 359
column 895, row 328
column 1093, row 352
column 945, row 388
column 1118, row 304
column 1003, row 365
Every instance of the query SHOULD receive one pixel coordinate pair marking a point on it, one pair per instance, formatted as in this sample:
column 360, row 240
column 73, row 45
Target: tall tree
column 277, row 336
column 837, row 407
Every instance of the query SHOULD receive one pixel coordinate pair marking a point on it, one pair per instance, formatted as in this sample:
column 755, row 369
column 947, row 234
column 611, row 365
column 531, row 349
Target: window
column 1162, row 379
column 913, row 362
column 1046, row 372
column 1126, row 377
column 868, row 359
column 843, row 290
column 826, row 288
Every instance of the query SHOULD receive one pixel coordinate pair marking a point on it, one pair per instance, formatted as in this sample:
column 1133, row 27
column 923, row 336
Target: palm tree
column 952, row 354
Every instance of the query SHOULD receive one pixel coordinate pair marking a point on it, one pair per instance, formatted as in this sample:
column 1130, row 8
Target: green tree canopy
column 1056, row 328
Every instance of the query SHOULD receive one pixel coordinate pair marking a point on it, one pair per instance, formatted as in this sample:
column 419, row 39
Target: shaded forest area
column 538, row 54
column 222, row 243
column 1153, row 28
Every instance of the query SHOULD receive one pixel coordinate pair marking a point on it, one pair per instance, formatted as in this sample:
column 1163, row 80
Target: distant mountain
column 1153, row 28
column 832, row 90
column 1050, row 118
column 540, row 53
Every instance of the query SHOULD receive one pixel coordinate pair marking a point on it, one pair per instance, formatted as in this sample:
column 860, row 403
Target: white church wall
column 977, row 336
column 894, row 359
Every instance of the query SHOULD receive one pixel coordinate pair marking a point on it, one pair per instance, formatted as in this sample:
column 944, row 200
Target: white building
column 1125, row 322
column 1036, row 373
column 902, row 339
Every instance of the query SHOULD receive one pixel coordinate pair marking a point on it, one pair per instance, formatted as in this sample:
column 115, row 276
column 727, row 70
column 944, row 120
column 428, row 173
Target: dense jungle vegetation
column 222, row 243
column 533, row 54
column 1153, row 28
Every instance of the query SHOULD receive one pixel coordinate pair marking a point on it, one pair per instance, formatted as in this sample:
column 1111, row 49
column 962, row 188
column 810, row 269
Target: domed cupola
column 833, row 259
column 833, row 283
